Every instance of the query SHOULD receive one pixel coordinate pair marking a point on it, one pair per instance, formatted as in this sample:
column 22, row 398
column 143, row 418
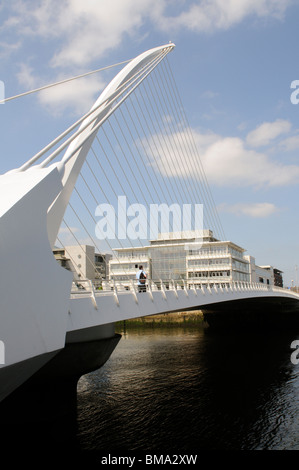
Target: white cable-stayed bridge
column 134, row 142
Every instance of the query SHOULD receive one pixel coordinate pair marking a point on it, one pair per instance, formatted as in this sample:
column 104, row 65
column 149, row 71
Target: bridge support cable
column 140, row 148
column 165, row 141
column 123, row 169
column 135, row 144
column 142, row 142
column 74, row 265
column 45, row 87
column 185, row 142
column 155, row 142
column 86, row 210
column 169, row 187
column 95, row 128
column 115, row 97
column 75, row 156
column 107, row 102
column 178, row 149
column 177, row 99
column 136, row 153
column 106, row 180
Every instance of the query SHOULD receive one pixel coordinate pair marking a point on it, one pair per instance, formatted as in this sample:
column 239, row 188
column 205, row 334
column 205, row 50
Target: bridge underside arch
column 260, row 312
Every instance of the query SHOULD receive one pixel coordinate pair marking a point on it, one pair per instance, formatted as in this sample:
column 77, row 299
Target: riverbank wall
column 190, row 318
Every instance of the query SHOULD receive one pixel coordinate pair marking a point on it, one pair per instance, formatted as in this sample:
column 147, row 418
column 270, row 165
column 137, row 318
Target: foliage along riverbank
column 173, row 319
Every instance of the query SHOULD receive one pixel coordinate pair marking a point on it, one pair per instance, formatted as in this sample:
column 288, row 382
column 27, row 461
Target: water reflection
column 180, row 390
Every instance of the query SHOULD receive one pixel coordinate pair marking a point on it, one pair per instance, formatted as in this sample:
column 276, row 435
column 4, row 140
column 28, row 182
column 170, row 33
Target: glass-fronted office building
column 196, row 257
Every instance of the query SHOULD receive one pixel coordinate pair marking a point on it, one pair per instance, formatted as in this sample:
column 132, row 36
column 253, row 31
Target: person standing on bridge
column 141, row 278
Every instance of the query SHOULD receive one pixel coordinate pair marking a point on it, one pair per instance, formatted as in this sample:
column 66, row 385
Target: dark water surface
column 187, row 390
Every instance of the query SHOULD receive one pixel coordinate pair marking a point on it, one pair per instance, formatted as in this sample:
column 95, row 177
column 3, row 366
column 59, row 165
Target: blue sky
column 234, row 63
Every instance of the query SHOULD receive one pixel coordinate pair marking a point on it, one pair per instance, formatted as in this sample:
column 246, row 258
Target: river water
column 187, row 390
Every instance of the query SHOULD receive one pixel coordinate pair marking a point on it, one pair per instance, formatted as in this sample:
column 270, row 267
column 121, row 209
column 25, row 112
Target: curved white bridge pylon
column 40, row 312
column 34, row 289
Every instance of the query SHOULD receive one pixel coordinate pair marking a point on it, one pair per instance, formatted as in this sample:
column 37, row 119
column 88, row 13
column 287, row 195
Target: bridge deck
column 90, row 308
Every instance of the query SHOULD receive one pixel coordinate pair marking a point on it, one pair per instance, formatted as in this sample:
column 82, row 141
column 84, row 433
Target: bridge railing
column 85, row 287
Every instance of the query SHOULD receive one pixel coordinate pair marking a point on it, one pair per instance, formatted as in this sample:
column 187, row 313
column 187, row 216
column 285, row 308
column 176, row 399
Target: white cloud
column 64, row 230
column 66, row 237
column 89, row 29
column 79, row 95
column 98, row 29
column 211, row 15
column 86, row 29
column 226, row 161
column 7, row 48
column 256, row 210
column 268, row 131
column 77, row 32
column 210, row 94
column 291, row 143
column 26, row 77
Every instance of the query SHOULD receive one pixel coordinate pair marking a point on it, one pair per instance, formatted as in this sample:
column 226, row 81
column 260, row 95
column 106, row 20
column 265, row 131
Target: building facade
column 195, row 257
column 264, row 274
column 84, row 262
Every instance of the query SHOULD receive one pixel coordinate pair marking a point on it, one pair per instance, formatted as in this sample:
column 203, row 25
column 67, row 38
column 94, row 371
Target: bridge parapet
column 91, row 308
column 85, row 288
